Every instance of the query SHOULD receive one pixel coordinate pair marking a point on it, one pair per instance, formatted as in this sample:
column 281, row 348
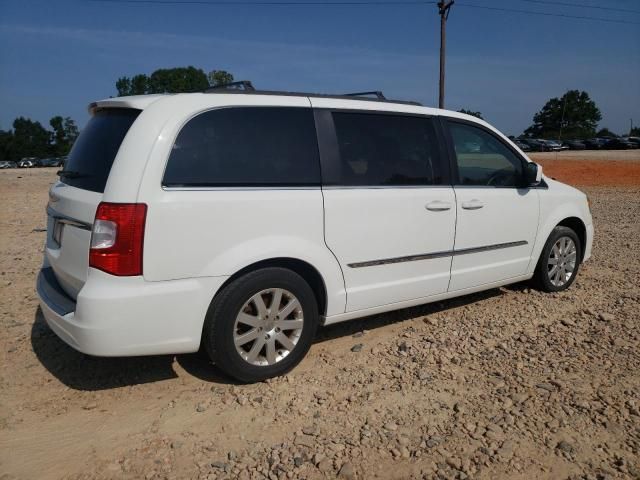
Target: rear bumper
column 128, row 316
column 52, row 294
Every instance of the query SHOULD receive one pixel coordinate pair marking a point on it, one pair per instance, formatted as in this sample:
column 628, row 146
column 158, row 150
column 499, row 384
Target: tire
column 549, row 280
column 252, row 295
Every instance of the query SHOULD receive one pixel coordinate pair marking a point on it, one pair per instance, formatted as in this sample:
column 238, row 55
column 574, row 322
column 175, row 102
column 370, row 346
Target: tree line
column 573, row 115
column 172, row 80
column 31, row 139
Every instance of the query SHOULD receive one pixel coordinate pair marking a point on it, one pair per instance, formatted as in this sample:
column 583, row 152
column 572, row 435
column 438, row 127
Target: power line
column 293, row 3
column 547, row 14
column 268, row 3
column 581, row 5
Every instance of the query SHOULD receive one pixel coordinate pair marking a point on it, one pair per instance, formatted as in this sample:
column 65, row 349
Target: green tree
column 136, row 85
column 57, row 123
column 71, row 130
column 574, row 114
column 171, row 80
column 123, row 85
column 634, row 132
column 65, row 133
column 471, row 112
column 6, row 145
column 219, row 77
column 605, row 132
column 30, row 139
column 176, row 80
column 140, row 85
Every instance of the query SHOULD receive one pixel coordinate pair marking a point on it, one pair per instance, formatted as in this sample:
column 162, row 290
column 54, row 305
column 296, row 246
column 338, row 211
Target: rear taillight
column 117, row 238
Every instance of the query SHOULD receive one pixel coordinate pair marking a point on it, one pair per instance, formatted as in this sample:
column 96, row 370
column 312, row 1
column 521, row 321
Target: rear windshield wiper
column 71, row 174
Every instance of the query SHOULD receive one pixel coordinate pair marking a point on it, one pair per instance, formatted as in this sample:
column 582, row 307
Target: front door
column 497, row 217
column 389, row 208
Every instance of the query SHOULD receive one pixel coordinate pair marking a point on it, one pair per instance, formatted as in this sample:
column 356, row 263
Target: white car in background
column 240, row 221
column 27, row 163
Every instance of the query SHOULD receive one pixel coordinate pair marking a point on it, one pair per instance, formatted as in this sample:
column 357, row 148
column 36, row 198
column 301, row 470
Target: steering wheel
column 500, row 175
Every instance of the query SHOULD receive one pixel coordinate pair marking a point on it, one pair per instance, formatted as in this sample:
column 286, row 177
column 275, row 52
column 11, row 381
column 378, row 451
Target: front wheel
column 559, row 261
column 261, row 325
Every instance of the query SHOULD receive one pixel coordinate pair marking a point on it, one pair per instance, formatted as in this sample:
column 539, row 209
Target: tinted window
column 91, row 157
column 260, row 146
column 378, row 149
column 483, row 159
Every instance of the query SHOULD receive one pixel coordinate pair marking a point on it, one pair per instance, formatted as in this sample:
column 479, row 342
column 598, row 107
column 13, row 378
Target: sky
column 57, row 56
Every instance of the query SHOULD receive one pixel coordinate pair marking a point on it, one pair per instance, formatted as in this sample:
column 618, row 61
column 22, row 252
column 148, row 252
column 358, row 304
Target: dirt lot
column 510, row 383
column 592, row 168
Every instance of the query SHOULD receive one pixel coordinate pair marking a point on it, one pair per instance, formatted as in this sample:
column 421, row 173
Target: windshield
column 91, row 157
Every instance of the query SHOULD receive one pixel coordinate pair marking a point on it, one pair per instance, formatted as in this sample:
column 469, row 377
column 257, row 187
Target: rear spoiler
column 139, row 102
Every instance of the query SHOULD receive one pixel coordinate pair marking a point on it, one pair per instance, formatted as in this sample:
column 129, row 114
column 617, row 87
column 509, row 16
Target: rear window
column 246, row 146
column 91, row 157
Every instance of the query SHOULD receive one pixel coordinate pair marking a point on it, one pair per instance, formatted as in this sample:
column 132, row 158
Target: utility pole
column 443, row 9
column 564, row 107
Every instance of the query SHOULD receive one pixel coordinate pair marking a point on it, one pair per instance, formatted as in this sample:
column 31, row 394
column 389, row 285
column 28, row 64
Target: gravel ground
column 509, row 383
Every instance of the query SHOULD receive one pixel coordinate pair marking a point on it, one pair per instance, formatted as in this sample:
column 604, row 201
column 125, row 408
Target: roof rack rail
column 377, row 93
column 246, row 85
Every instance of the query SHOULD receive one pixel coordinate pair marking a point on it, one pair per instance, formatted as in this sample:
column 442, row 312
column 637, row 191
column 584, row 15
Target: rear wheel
column 261, row 325
column 559, row 261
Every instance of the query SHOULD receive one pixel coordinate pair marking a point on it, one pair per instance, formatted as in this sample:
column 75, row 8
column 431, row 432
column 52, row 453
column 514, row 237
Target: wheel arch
column 307, row 271
column 578, row 226
column 560, row 210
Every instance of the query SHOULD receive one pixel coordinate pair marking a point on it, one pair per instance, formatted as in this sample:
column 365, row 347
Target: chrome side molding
column 429, row 256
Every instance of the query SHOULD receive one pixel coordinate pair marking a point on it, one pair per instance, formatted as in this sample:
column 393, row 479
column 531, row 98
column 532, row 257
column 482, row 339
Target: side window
column 386, row 150
column 246, row 146
column 483, row 159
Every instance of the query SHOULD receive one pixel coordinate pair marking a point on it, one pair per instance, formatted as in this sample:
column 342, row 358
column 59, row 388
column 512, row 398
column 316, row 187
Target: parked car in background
column 27, row 163
column 234, row 222
column 594, row 143
column 50, row 162
column 634, row 141
column 522, row 145
column 8, row 164
column 618, row 144
column 574, row 145
column 553, row 145
column 535, row 145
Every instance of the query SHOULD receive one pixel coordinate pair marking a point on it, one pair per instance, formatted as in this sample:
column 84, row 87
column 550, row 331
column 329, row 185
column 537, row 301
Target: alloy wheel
column 561, row 264
column 268, row 327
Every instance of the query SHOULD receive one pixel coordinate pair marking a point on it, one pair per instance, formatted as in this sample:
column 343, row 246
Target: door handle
column 438, row 206
column 474, row 204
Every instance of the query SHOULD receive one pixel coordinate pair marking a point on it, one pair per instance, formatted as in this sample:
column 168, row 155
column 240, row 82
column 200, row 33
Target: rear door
column 389, row 208
column 497, row 218
column 74, row 199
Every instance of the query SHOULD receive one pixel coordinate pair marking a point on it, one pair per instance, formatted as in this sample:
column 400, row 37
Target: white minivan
column 238, row 221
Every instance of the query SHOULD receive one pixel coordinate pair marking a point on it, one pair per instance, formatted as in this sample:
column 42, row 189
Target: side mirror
column 532, row 174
